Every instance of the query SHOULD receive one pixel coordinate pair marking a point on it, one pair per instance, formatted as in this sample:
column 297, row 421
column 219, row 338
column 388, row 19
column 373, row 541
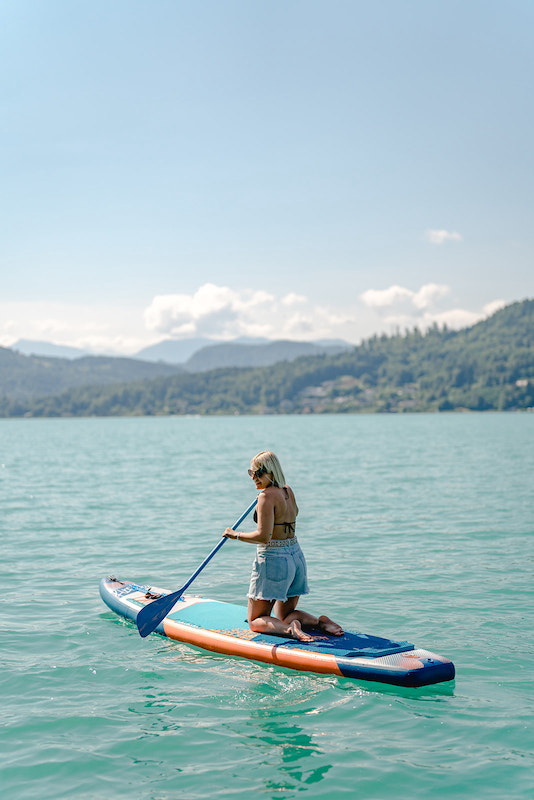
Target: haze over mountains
column 30, row 347
column 243, row 351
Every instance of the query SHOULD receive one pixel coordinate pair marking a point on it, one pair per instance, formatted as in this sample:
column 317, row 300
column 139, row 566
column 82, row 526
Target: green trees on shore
column 489, row 366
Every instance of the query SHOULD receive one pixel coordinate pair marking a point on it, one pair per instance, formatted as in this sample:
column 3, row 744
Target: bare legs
column 287, row 620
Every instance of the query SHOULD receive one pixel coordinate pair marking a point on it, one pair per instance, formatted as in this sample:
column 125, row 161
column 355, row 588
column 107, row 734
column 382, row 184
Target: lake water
column 417, row 527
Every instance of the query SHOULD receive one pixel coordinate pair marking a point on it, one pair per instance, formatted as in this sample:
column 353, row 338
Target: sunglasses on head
column 257, row 473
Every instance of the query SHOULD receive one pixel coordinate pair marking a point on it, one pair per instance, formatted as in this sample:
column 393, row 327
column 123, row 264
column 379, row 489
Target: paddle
column 150, row 616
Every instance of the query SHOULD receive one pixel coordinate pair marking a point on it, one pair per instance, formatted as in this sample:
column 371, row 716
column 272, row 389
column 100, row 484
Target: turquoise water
column 416, row 527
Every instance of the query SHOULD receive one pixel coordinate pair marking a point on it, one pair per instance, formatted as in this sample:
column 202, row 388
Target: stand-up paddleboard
column 223, row 628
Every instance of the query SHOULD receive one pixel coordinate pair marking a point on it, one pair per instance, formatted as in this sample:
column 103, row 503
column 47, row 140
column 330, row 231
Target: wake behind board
column 223, row 628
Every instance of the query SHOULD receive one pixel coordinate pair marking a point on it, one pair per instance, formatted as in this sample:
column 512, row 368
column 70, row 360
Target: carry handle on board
column 150, row 616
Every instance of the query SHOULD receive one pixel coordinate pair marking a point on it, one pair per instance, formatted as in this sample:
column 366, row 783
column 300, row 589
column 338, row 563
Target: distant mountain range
column 32, row 375
column 179, row 351
column 173, row 351
column 244, row 351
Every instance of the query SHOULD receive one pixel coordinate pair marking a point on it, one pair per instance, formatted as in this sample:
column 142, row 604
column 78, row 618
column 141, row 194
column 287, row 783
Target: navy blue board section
column 225, row 617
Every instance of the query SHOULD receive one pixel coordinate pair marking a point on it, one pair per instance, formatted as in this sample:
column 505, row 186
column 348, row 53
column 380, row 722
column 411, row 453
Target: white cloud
column 491, row 308
column 399, row 307
column 223, row 313
column 442, row 236
column 380, row 298
column 430, row 294
column 212, row 310
column 425, row 297
column 293, row 299
column 453, row 318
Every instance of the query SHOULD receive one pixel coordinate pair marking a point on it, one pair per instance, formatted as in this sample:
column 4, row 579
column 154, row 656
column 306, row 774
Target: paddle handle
column 218, row 546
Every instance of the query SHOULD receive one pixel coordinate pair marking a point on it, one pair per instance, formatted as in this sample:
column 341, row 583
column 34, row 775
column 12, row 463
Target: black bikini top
column 289, row 527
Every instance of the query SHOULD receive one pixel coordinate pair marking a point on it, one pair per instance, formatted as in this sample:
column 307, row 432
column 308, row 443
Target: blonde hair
column 269, row 461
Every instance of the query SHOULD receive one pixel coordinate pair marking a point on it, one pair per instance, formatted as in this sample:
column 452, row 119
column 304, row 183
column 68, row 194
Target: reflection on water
column 288, row 744
column 287, row 755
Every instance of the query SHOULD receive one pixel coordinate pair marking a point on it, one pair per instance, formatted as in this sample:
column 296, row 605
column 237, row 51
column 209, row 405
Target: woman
column 279, row 572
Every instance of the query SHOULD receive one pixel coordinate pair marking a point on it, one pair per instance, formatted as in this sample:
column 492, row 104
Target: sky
column 299, row 169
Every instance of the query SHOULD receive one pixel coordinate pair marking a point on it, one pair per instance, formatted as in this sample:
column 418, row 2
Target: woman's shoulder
column 273, row 494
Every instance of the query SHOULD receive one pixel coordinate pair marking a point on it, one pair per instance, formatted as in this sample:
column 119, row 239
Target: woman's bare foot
column 298, row 633
column 329, row 626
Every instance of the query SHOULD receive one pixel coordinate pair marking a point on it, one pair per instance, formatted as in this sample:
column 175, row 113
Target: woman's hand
column 230, row 533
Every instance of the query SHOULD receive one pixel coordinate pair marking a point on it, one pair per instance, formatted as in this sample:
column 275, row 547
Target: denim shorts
column 279, row 571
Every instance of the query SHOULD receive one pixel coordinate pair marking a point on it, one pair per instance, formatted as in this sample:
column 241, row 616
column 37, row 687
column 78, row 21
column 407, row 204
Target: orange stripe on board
column 270, row 654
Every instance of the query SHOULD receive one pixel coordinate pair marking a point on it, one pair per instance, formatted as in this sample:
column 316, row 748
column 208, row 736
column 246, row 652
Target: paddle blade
column 150, row 616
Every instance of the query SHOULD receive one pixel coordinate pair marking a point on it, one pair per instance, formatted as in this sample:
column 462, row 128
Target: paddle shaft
column 150, row 616
column 217, row 548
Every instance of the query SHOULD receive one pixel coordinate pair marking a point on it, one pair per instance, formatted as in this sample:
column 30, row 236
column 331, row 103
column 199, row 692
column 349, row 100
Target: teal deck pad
column 229, row 618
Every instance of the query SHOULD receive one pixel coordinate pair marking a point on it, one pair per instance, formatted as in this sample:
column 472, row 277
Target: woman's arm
column 265, row 528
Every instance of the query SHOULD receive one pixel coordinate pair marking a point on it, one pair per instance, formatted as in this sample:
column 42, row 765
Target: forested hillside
column 23, row 377
column 488, row 366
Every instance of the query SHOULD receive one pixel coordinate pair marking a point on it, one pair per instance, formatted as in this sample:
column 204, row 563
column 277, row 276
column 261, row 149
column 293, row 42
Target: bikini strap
column 289, row 527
